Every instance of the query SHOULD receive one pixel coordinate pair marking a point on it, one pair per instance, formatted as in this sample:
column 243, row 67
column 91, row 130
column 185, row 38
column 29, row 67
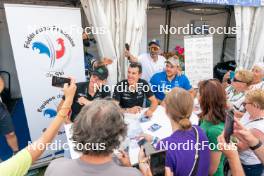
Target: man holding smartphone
column 88, row 91
column 151, row 62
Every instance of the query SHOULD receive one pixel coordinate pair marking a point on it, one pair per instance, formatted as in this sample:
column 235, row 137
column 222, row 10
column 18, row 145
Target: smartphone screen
column 229, row 125
column 141, row 142
column 157, row 163
column 127, row 46
column 59, row 81
column 232, row 75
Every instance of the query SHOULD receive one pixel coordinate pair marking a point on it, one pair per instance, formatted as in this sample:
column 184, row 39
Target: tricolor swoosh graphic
column 49, row 49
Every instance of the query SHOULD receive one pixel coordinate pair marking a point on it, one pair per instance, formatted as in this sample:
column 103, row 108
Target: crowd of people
column 152, row 80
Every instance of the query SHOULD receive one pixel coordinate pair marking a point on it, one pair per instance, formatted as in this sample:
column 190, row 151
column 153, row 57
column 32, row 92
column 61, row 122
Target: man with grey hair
column 165, row 81
column 97, row 131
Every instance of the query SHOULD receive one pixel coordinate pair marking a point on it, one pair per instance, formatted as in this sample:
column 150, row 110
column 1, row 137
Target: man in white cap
column 164, row 81
column 258, row 71
column 151, row 62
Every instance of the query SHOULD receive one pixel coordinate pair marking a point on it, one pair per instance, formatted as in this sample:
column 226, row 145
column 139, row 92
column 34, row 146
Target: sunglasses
column 154, row 48
column 245, row 103
column 236, row 80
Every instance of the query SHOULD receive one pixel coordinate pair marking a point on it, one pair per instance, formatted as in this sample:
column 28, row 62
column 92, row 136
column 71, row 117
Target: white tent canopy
column 250, row 36
column 124, row 22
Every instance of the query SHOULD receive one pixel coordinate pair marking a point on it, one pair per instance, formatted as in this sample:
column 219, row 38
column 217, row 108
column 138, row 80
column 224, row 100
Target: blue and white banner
column 45, row 42
column 228, row 2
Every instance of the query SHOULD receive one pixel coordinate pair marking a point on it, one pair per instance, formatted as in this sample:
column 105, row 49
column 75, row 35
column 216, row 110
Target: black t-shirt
column 129, row 99
column 82, row 91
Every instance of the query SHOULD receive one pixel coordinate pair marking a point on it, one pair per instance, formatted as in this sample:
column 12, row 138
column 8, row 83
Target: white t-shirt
column 257, row 86
column 149, row 67
column 248, row 157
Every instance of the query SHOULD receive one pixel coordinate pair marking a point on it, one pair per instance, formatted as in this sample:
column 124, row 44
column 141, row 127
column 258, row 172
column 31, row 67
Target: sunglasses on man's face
column 154, row 48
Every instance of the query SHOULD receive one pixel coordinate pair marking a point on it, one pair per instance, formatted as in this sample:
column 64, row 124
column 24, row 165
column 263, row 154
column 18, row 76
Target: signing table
column 135, row 128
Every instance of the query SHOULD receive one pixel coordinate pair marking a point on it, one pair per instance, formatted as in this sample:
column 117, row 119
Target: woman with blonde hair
column 236, row 92
column 253, row 120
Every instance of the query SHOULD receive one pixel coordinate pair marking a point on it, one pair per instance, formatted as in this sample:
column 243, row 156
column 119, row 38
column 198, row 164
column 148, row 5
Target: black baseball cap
column 101, row 72
column 154, row 41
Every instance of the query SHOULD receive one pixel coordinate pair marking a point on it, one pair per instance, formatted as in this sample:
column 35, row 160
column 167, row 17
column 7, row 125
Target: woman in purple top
column 180, row 146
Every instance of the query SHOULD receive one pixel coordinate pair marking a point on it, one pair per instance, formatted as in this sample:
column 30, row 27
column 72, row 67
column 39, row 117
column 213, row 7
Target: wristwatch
column 256, row 146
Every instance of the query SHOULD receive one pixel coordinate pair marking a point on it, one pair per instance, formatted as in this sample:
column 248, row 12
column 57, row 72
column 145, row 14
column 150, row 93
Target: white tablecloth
column 135, row 128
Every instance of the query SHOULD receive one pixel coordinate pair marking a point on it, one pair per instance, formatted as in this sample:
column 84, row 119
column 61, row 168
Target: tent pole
column 166, row 23
column 168, row 35
column 228, row 21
